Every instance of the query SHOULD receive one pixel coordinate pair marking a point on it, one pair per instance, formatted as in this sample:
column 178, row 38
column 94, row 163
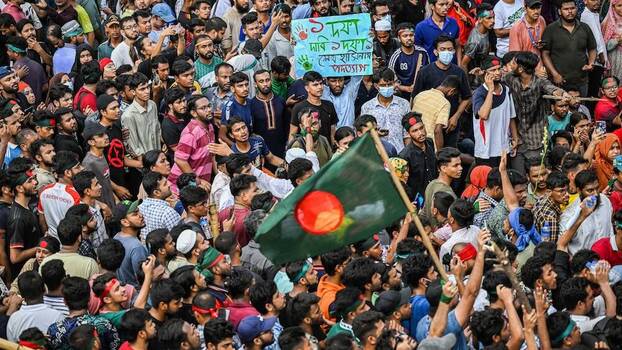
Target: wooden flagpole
column 411, row 209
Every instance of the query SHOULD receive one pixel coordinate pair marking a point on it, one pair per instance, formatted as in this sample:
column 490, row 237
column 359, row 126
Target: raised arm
column 508, row 190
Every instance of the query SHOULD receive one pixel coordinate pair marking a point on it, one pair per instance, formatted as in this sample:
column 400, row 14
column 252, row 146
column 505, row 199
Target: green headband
column 354, row 306
column 485, row 13
column 15, row 48
column 566, row 332
column 302, row 273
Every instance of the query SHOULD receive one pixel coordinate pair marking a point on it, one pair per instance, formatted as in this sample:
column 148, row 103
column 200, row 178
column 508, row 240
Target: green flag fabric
column 348, row 200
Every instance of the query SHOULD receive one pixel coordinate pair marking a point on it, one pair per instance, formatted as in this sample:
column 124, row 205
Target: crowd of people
column 144, row 142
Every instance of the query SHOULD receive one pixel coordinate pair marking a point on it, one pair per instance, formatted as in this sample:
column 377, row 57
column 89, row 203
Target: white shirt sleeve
column 278, row 187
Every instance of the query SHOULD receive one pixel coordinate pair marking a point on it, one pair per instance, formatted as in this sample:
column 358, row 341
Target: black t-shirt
column 171, row 131
column 64, row 142
column 23, row 231
column 115, row 154
column 328, row 115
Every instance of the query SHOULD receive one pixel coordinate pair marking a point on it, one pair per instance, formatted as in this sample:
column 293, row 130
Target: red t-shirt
column 604, row 247
column 86, row 98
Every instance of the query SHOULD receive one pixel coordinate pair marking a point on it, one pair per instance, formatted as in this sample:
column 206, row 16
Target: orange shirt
column 520, row 38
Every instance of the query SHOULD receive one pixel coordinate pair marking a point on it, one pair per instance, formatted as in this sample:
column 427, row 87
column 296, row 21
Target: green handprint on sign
column 303, row 60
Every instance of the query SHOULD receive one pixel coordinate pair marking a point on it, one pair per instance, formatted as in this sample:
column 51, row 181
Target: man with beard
column 266, row 299
column 586, row 220
column 493, row 114
column 303, row 311
column 23, row 232
column 569, row 50
column 206, row 61
column 302, row 274
column 43, row 152
column 192, row 154
column 269, row 114
column 408, row 60
column 65, row 139
column 139, row 329
column 9, row 82
column 314, row 9
column 215, row 28
column 343, row 95
column 527, row 89
column 384, row 43
column 220, row 94
column 155, row 208
column 174, row 120
column 56, row 198
column 280, row 42
column 131, row 221
column 233, row 19
column 10, row 117
column 36, row 77
column 216, row 268
column 121, row 54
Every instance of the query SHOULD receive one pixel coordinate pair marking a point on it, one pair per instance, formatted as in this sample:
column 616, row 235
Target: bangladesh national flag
column 348, row 200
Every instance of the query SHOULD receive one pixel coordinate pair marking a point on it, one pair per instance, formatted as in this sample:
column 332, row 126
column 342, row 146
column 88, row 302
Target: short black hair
column 253, row 220
column 585, row 178
column 556, row 179
column 103, row 86
column 217, row 330
column 240, row 183
column 110, row 254
column 238, row 77
column 69, row 231
column 556, row 324
column 150, row 182
column 492, row 279
column 292, row 338
column 451, row 81
column 311, row 76
column 341, row 341
column 239, row 281
column 414, row 268
column 344, row 300
column 334, row 258
column 192, row 195
column 494, row 178
column 581, row 258
column 171, row 334
column 571, row 162
column 532, row 270
column 165, row 291
column 82, row 181
column 573, row 290
column 385, row 74
column 53, row 273
column 76, row 292
column 280, row 65
column 248, row 18
column 99, row 283
column 184, row 277
column 365, row 323
column 443, row 38
column 35, row 147
column 236, row 162
column 528, row 60
column 486, row 324
column 442, row 201
column 156, row 240
column 358, row 273
column 297, row 168
column 226, row 242
column 65, row 160
column 463, row 212
column 297, row 309
column 90, row 72
column 150, row 158
column 82, row 337
column 445, row 155
column 132, row 322
column 362, row 121
column 30, row 285
column 180, row 66
column 262, row 293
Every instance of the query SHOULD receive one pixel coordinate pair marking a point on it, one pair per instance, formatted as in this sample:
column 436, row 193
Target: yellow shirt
column 83, row 19
column 434, row 109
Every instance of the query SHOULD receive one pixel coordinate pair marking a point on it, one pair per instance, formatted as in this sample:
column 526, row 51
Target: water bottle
column 613, row 273
column 545, row 232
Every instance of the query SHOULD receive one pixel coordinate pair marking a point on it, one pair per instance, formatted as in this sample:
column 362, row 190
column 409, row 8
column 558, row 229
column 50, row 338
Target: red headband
column 30, row 345
column 213, row 312
column 216, row 261
column 467, row 253
column 108, row 288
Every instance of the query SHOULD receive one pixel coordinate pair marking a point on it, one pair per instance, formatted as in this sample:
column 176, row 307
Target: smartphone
column 383, row 132
column 601, row 126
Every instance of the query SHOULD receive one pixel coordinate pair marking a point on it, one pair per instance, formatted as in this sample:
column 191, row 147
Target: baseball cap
column 368, row 243
column 433, row 343
column 532, row 3
column 71, row 29
column 112, row 19
column 382, row 26
column 163, row 11
column 252, row 326
column 5, row 70
column 390, row 300
column 186, row 241
column 92, row 129
column 490, row 61
column 124, row 208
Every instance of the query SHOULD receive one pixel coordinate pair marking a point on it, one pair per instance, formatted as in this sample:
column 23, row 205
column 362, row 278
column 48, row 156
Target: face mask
column 445, row 57
column 386, row 91
column 69, row 84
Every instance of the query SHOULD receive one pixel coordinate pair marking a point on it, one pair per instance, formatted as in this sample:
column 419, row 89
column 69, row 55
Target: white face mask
column 446, row 56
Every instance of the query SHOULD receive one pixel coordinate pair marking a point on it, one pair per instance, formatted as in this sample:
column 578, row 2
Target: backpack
column 598, row 333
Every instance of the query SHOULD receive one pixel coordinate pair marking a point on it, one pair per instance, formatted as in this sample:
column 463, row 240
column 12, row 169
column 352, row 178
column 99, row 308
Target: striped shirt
column 192, row 148
column 56, row 303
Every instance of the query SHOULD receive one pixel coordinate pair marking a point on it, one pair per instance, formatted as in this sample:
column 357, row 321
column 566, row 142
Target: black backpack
column 598, row 333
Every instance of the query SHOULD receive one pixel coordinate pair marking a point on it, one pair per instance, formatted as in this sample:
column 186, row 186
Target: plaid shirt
column 483, row 216
column 158, row 214
column 496, row 217
column 86, row 249
column 547, row 212
column 530, row 110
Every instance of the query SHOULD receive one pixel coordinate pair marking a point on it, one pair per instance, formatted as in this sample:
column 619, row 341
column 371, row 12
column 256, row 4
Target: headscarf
column 602, row 165
column 523, row 235
column 612, row 24
column 400, row 168
column 477, row 181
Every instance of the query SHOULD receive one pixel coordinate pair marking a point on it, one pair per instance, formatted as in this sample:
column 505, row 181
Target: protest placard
column 333, row 46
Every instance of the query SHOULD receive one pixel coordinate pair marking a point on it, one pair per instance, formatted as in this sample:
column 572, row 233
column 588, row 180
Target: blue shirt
column 234, row 108
column 12, row 151
column 427, row 31
column 135, row 254
column 64, row 58
column 405, row 65
column 423, row 328
column 258, row 151
column 420, row 309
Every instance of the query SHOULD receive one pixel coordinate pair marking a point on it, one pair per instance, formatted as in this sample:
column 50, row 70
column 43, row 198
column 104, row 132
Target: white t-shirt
column 505, row 17
column 54, row 201
column 492, row 135
column 121, row 55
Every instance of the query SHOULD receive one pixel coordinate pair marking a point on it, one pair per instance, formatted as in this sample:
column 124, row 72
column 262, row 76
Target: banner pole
column 411, row 209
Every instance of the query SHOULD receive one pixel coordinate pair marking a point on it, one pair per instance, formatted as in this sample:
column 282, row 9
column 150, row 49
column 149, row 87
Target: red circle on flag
column 319, row 212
